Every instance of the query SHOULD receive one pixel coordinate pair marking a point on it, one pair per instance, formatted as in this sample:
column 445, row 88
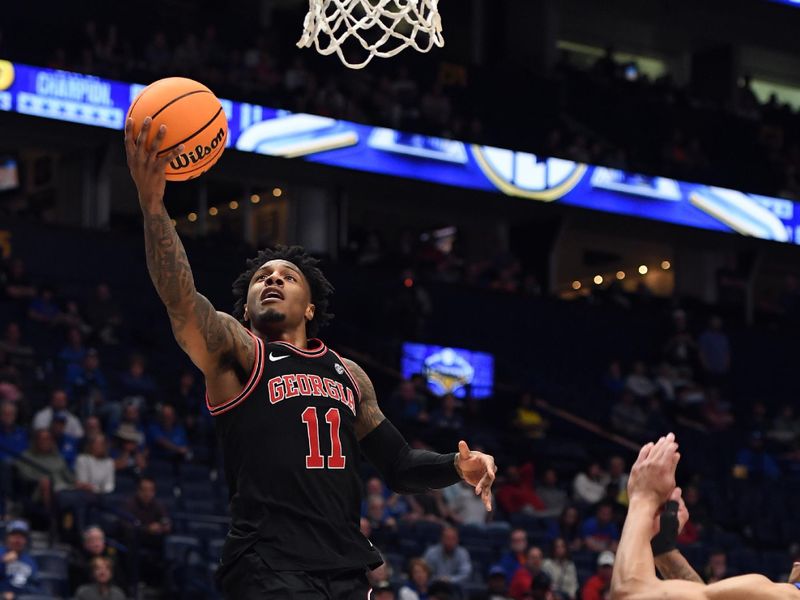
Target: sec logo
column 6, row 74
column 527, row 176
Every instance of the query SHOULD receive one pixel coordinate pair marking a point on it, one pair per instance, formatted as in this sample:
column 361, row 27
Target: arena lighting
column 643, row 269
column 233, row 205
column 576, row 285
column 598, row 279
column 277, row 192
column 192, row 217
column 213, row 211
column 255, row 198
column 408, row 282
column 620, row 275
column 666, row 265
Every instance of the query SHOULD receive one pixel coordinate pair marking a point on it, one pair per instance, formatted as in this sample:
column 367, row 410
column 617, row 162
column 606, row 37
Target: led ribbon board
column 101, row 102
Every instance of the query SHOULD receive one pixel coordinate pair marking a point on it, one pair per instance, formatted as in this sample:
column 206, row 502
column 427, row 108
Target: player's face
column 279, row 296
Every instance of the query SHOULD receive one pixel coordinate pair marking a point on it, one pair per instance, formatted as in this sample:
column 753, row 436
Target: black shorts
column 249, row 578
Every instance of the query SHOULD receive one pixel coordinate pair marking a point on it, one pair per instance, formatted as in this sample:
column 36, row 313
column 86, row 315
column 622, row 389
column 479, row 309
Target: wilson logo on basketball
column 199, row 153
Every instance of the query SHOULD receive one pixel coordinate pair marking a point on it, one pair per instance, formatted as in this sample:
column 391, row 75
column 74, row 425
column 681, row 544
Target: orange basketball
column 193, row 116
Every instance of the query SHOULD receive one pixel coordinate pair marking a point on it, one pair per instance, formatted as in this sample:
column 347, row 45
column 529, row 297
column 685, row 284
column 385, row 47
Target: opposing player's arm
column 673, row 565
column 408, row 470
column 211, row 339
column 745, row 587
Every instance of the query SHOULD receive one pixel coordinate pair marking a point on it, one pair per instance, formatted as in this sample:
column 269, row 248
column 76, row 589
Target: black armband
column 405, row 470
column 667, row 537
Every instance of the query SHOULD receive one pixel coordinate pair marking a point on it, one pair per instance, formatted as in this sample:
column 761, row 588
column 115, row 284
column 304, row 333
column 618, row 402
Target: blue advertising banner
column 103, row 103
column 450, row 370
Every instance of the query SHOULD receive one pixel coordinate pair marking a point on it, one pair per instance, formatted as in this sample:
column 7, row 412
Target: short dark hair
column 321, row 288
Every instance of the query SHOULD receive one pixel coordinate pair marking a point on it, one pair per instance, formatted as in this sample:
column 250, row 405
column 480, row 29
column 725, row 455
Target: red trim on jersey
column 320, row 351
column 349, row 374
column 255, row 376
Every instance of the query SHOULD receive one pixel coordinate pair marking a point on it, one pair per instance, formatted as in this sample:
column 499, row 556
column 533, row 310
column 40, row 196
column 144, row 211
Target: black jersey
column 292, row 462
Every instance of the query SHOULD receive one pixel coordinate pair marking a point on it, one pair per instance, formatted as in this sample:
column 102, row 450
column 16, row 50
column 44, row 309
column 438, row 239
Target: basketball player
column 291, row 413
column 651, row 484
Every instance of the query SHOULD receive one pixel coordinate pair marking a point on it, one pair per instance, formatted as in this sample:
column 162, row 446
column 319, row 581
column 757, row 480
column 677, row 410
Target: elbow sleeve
column 405, row 470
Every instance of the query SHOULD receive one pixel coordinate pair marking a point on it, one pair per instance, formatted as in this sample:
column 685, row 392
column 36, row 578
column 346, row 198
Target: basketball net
column 383, row 28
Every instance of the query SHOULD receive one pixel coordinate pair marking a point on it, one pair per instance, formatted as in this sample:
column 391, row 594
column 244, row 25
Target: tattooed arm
column 673, row 565
column 408, row 470
column 214, row 341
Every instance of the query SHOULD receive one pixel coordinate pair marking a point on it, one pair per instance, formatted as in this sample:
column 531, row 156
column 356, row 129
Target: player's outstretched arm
column 651, row 483
column 407, row 470
column 208, row 337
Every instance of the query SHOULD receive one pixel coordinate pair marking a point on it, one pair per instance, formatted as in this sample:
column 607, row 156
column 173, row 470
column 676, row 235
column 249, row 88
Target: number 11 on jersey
column 315, row 460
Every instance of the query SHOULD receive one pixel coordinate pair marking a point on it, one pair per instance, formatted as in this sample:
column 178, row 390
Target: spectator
column 447, row 417
column 449, row 562
column 598, row 586
column 17, row 285
column 167, row 437
column 19, row 569
column 589, row 486
column 74, row 352
column 91, row 427
column 681, row 349
column 754, row 463
column 131, row 417
column 17, row 354
column 698, row 510
column 714, row 351
column 66, row 444
column 516, row 555
column 382, row 590
column 43, row 452
column 496, row 584
column 523, row 579
column 613, row 380
column 13, row 438
column 130, row 456
column 72, row 318
column 528, row 419
column 58, row 405
column 86, row 381
column 429, row 507
column 639, row 382
column 43, row 308
column 464, row 506
column 11, row 385
column 153, row 525
column 420, row 574
column 409, row 403
column 95, row 469
column 717, row 567
column 618, row 484
column 562, row 571
column 102, row 587
column 568, row 528
column 554, row 497
column 104, row 314
column 93, row 545
column 190, row 404
column 135, row 383
column 396, row 504
column 381, row 522
column 518, row 493
column 628, row 418
column 600, row 532
column 785, row 428
column 656, row 423
column 716, row 413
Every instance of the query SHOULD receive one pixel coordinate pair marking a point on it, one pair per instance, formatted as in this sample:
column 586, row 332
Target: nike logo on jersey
column 277, row 358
